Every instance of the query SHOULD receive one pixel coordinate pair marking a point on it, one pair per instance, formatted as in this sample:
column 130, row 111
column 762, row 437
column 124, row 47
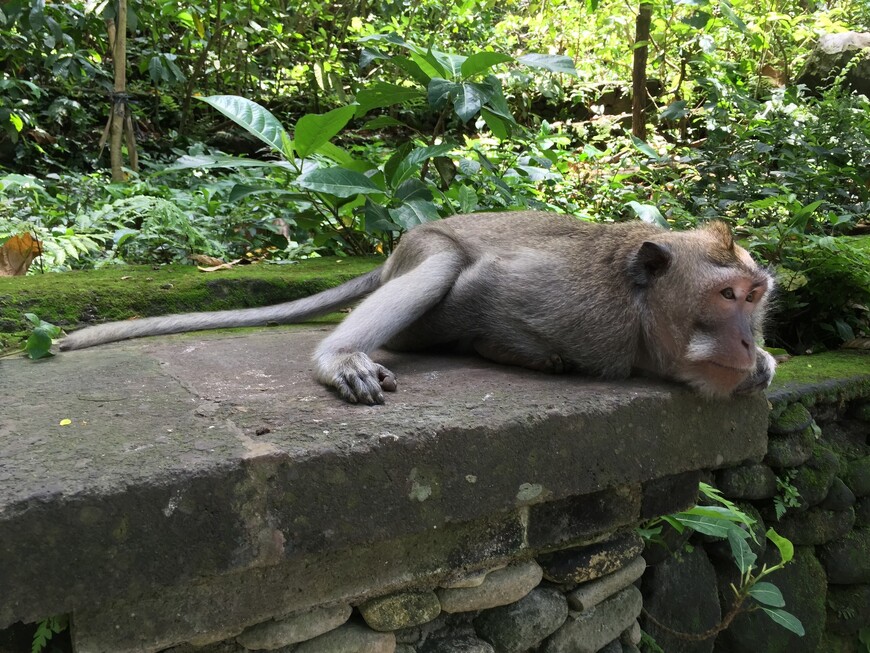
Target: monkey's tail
column 286, row 313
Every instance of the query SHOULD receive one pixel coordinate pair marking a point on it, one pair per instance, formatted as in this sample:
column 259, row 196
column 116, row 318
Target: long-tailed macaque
column 544, row 291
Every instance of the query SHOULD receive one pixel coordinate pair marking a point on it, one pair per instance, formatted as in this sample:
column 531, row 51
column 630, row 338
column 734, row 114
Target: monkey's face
column 721, row 355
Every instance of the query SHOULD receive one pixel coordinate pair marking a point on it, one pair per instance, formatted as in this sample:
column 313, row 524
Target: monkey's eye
column 751, row 297
column 728, row 293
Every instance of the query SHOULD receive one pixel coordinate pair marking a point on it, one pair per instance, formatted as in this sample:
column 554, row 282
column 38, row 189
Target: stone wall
column 819, row 455
column 193, row 495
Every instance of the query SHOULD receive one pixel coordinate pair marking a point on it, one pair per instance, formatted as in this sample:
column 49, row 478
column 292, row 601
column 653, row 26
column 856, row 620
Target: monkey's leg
column 531, row 357
column 341, row 361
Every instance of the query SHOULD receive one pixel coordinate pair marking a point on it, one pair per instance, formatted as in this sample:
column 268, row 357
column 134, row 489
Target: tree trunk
column 638, row 72
column 119, row 101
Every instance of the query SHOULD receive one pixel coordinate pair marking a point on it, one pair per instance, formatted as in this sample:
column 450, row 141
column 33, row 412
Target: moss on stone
column 835, row 377
column 794, row 418
column 74, row 299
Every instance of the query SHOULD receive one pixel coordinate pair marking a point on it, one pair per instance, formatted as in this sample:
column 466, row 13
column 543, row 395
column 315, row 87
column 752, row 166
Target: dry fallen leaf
column 857, row 343
column 210, row 261
column 221, row 266
column 17, row 253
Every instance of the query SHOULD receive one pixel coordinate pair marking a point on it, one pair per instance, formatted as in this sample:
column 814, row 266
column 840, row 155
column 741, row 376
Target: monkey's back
column 538, row 283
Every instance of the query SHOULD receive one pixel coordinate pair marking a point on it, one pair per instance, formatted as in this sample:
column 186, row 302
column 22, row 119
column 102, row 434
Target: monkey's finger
column 366, row 388
column 387, row 379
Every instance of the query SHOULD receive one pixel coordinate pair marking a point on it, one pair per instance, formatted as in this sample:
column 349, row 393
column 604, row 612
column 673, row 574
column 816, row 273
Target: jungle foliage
column 318, row 127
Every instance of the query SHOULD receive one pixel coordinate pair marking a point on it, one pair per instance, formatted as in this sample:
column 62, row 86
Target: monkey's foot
column 356, row 377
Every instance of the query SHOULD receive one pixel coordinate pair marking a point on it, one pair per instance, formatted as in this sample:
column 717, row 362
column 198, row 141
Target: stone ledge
column 204, row 460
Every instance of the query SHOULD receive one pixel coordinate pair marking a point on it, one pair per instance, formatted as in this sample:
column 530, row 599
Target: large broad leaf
column 429, row 64
column 705, row 525
column 480, row 61
column 377, row 218
column 467, row 199
column 642, row 146
column 440, row 91
column 316, row 129
column 340, row 182
column 555, row 63
column 414, row 213
column 382, row 94
column 468, row 101
column 785, row 619
column 385, row 121
column 768, row 594
column 250, row 115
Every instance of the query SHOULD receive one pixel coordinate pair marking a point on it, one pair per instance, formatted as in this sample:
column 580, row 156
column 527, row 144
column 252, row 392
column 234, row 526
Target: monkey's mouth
column 731, row 368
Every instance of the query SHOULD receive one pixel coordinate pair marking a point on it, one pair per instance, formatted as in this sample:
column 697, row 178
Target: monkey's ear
column 651, row 261
column 722, row 232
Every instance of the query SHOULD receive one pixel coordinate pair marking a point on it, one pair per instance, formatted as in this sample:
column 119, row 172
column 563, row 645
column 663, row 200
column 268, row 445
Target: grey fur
column 544, row 291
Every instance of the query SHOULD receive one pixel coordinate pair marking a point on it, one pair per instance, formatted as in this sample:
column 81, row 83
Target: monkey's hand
column 761, row 377
column 355, row 376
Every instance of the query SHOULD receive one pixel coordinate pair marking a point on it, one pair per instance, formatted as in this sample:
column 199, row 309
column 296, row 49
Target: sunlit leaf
column 314, row 130
column 256, row 119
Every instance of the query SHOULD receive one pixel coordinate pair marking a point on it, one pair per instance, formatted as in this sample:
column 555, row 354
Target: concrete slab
column 195, row 456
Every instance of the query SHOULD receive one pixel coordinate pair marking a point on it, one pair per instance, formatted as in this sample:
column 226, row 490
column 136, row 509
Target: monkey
column 540, row 290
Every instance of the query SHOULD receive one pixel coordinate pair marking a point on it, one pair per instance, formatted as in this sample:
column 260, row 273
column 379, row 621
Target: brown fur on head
column 706, row 301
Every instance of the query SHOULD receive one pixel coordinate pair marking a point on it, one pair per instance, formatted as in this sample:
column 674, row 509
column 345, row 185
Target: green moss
column 835, row 376
column 74, row 299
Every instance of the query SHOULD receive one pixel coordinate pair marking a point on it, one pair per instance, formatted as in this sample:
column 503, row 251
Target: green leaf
column 706, row 525
column 430, row 66
column 468, row 101
column 644, row 147
column 767, row 593
column 675, row 111
column 414, row 213
column 786, row 548
column 413, row 189
column 785, row 619
column 382, row 94
column 440, row 91
column 411, row 163
column 499, row 127
column 384, row 121
column 186, row 162
column 314, row 130
column 412, row 69
column 33, row 319
column 449, row 62
column 728, row 12
column 468, row 201
column 378, row 218
column 743, row 556
column 240, row 191
column 340, row 182
column 555, row 63
column 480, row 61
column 38, row 345
column 256, row 119
column 337, row 154
column 649, row 213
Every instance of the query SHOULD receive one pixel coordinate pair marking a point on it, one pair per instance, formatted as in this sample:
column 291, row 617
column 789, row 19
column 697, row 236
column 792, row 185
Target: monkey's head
column 705, row 300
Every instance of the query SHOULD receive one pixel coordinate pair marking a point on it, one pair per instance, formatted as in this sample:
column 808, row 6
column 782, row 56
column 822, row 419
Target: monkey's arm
column 286, row 313
column 341, row 361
